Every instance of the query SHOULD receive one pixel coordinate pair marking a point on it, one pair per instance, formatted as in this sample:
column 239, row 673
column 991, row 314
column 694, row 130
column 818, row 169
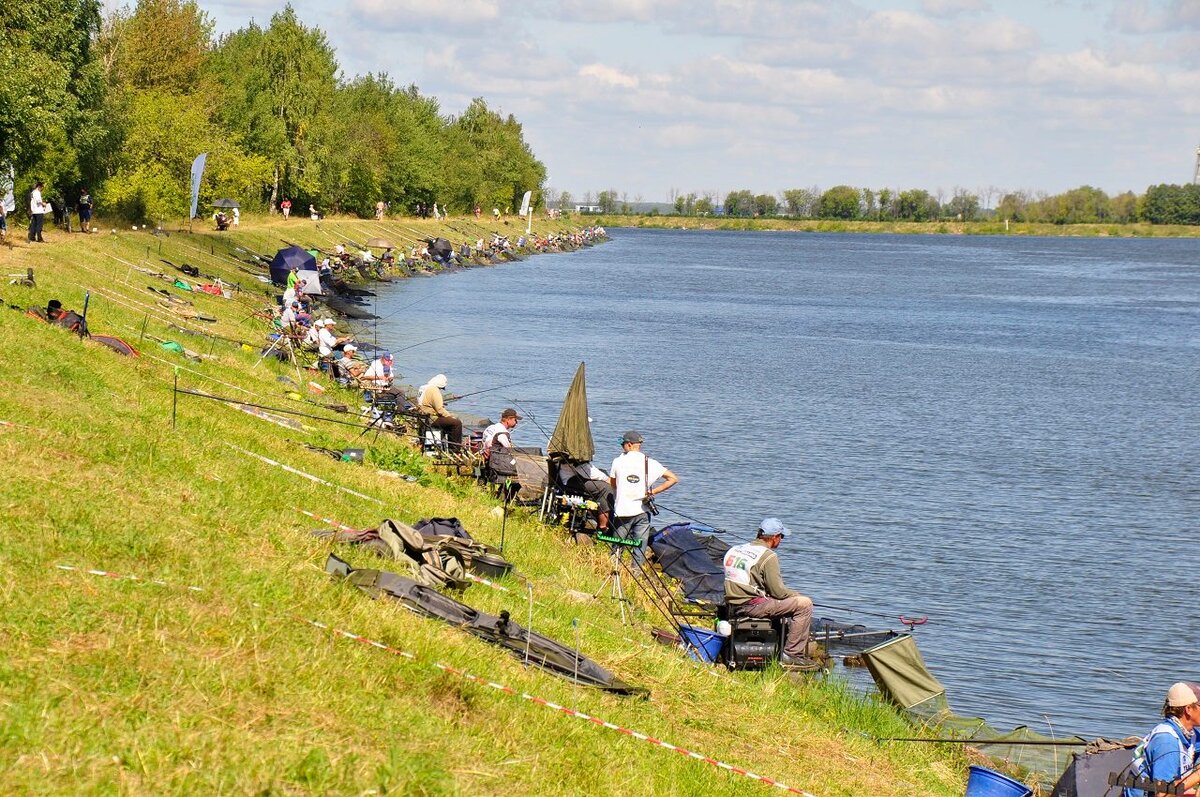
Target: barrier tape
column 308, row 476
column 508, row 690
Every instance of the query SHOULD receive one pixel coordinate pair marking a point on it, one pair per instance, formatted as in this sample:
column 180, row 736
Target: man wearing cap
column 379, row 372
column 1168, row 752
column 754, row 588
column 499, row 434
column 633, row 477
column 290, row 314
column 347, row 368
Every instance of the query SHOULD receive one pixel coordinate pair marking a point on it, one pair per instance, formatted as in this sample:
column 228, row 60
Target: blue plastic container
column 701, row 643
column 984, row 782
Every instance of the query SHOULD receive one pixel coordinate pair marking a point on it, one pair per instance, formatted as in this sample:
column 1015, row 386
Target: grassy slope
column 110, row 686
column 904, row 227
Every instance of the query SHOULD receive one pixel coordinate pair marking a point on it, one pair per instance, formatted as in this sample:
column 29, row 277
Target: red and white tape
column 508, row 690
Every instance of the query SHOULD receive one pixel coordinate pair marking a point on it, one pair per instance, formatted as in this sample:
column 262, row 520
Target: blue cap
column 387, row 355
column 772, row 527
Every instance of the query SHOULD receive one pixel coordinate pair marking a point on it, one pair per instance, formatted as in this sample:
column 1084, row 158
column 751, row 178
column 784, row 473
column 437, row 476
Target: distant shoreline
column 1024, row 229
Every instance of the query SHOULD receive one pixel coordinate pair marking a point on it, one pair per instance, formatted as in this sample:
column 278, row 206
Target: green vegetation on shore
column 119, row 686
column 899, row 227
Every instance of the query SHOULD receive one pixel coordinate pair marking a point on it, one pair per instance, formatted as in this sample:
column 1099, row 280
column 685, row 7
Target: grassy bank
column 120, row 686
column 903, row 227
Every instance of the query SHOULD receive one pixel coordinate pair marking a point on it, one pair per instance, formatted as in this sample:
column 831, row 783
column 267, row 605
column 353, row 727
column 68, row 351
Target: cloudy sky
column 650, row 96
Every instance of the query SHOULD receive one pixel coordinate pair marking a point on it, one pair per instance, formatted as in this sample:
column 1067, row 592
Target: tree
column 916, row 205
column 1012, row 206
column 564, row 201
column 765, row 205
column 279, row 82
column 885, row 203
column 704, row 206
column 680, row 202
column 963, row 206
column 739, row 203
column 51, row 92
column 165, row 132
column 163, row 45
column 839, row 202
column 607, row 201
column 868, row 203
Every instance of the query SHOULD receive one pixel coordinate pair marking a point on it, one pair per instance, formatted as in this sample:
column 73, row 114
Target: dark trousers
column 36, row 222
column 598, row 490
column 451, row 426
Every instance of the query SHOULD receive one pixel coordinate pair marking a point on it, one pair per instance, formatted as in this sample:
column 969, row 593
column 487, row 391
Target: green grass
column 1139, row 230
column 125, row 687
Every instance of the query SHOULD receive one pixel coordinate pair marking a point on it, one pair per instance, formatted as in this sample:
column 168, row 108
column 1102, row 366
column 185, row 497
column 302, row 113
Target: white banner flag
column 525, row 203
column 197, row 176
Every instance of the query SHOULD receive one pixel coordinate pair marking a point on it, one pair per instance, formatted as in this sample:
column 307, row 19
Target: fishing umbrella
column 225, row 203
column 572, row 436
column 287, row 259
column 379, row 243
column 440, row 249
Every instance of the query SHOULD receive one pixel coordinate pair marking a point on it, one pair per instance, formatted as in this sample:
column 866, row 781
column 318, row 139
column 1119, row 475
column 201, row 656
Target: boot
column 602, row 521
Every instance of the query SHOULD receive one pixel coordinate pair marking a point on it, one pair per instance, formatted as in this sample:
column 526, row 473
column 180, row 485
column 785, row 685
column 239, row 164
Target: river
column 1000, row 433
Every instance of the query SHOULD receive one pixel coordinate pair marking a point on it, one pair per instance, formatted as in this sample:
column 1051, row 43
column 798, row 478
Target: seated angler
column 584, row 478
column 499, row 435
column 328, row 341
column 1168, row 752
column 431, row 404
column 346, row 369
column 754, row 588
column 289, row 319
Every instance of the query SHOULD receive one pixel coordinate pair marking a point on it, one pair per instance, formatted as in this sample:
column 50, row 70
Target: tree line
column 1160, row 204
column 123, row 103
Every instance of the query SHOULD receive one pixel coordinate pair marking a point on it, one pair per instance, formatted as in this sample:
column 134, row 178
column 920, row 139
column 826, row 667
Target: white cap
column 349, row 347
column 1181, row 694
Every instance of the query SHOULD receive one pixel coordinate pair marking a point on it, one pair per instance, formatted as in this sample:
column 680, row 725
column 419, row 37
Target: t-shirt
column 325, row 342
column 634, row 473
column 1167, row 753
column 379, row 371
column 496, row 434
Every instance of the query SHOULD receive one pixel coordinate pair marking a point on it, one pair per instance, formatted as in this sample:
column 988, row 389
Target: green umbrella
column 572, row 436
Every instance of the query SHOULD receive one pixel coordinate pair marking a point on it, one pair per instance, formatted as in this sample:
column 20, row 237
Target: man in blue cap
column 754, row 588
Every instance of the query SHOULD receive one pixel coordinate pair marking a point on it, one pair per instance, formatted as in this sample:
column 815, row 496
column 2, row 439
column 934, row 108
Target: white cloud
column 421, row 15
column 608, row 76
column 1089, row 72
column 952, row 8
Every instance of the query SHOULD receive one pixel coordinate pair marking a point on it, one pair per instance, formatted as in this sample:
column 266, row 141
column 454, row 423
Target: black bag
column 443, row 527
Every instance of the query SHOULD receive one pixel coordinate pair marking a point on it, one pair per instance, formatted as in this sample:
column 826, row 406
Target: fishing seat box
column 489, row 565
column 753, row 643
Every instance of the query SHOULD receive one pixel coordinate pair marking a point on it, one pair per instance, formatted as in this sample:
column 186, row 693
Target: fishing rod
column 498, row 387
column 529, row 415
column 981, row 742
column 432, row 340
column 264, row 407
column 908, row 621
column 666, row 508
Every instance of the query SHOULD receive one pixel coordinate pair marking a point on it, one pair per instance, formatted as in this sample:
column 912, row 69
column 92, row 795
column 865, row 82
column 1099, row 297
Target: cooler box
column 753, row 643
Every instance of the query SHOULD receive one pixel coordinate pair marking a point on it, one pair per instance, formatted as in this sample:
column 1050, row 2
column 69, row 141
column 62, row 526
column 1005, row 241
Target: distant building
column 587, row 209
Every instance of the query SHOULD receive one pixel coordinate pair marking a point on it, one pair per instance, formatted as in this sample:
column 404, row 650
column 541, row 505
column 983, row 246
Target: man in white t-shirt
column 500, row 434
column 633, row 477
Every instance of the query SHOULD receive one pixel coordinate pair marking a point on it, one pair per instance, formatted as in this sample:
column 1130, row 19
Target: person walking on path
column 1168, row 752
column 286, row 207
column 754, row 588
column 37, row 214
column 633, row 477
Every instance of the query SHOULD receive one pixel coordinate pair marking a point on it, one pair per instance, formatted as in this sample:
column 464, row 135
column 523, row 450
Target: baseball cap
column 631, row 437
column 387, row 355
column 509, row 412
column 349, row 347
column 772, row 527
column 1181, row 694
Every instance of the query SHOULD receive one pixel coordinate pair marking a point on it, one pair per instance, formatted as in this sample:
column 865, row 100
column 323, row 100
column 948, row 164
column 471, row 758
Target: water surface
column 999, row 433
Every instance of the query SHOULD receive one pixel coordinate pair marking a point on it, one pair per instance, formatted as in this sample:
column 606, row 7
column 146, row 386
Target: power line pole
column 1196, row 176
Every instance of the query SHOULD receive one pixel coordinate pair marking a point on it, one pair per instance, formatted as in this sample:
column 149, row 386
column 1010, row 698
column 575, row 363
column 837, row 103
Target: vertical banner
column 8, row 179
column 525, row 203
column 197, row 175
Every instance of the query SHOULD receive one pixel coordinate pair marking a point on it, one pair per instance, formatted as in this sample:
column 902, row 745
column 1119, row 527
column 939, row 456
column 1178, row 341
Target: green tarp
column 572, row 438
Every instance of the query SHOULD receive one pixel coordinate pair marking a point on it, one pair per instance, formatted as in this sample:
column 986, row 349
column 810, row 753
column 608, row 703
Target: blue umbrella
column 287, row 259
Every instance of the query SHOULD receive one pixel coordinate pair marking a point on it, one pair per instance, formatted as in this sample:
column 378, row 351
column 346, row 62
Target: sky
column 657, row 97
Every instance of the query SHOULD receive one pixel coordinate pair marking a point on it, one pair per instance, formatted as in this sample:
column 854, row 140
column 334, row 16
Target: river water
column 999, row 433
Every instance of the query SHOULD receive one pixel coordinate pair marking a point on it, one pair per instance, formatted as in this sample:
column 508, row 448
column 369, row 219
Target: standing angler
column 633, row 476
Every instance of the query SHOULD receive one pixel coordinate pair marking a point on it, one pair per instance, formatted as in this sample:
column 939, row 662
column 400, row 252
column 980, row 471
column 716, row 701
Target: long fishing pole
column 908, row 621
column 666, row 508
column 264, row 407
column 433, row 340
column 498, row 387
column 528, row 415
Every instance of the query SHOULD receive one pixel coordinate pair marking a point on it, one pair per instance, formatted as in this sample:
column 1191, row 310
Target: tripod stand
column 617, row 591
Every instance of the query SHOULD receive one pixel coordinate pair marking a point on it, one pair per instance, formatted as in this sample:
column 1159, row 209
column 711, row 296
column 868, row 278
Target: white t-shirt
column 288, row 316
column 378, row 371
column 634, row 473
column 493, row 432
column 325, row 342
column 584, row 470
